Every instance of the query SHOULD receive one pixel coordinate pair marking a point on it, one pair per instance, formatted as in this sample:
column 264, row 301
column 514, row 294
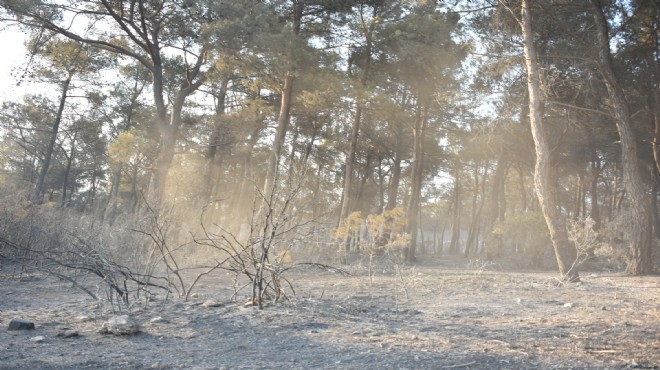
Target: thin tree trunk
column 111, row 207
column 654, row 205
column 640, row 248
column 579, row 196
column 67, row 171
column 456, row 222
column 381, row 187
column 595, row 208
column 655, row 108
column 417, row 175
column 543, row 167
column 285, row 112
column 214, row 155
column 280, row 135
column 40, row 186
column 472, row 243
column 395, row 178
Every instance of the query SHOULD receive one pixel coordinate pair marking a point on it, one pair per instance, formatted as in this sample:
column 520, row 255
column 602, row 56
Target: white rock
column 120, row 325
column 37, row 339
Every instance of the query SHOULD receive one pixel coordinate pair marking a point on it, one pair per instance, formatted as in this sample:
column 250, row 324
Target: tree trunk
column 654, row 205
column 640, row 248
column 417, row 175
column 285, row 112
column 543, row 167
column 395, row 178
column 472, row 243
column 39, row 189
column 168, row 125
column 67, row 171
column 111, row 207
column 655, row 108
column 580, row 196
column 595, row 208
column 456, row 222
column 214, row 155
column 280, row 135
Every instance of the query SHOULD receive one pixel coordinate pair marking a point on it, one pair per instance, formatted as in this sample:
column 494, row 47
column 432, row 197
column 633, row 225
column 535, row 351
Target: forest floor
column 430, row 316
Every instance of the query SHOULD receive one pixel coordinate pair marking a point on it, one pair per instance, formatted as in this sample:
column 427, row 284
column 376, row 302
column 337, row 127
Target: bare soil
column 424, row 317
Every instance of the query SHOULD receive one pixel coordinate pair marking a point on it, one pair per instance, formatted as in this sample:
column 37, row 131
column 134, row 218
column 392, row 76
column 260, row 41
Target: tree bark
column 595, row 208
column 214, row 155
column 417, row 175
column 456, row 222
column 395, row 179
column 67, row 170
column 543, row 167
column 39, row 189
column 640, row 247
column 285, row 111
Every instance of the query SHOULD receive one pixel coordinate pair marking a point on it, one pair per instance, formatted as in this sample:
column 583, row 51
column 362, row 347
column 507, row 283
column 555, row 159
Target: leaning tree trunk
column 284, row 116
column 542, row 170
column 39, row 189
column 640, row 248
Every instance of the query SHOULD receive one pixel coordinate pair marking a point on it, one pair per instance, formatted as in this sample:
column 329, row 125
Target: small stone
column 568, row 305
column 604, row 308
column 156, row 319
column 21, row 324
column 70, row 333
column 83, row 318
column 37, row 339
column 519, row 300
column 120, row 325
column 211, row 304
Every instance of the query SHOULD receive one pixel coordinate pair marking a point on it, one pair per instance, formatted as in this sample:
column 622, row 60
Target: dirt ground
column 425, row 317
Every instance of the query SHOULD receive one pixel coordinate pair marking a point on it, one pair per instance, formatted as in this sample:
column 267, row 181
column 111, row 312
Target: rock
column 211, row 304
column 21, row 324
column 156, row 319
column 68, row 333
column 37, row 339
column 568, row 305
column 120, row 325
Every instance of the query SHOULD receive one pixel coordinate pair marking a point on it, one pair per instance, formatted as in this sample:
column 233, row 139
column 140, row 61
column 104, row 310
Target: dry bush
column 613, row 252
column 379, row 241
column 109, row 264
column 141, row 256
column 266, row 248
